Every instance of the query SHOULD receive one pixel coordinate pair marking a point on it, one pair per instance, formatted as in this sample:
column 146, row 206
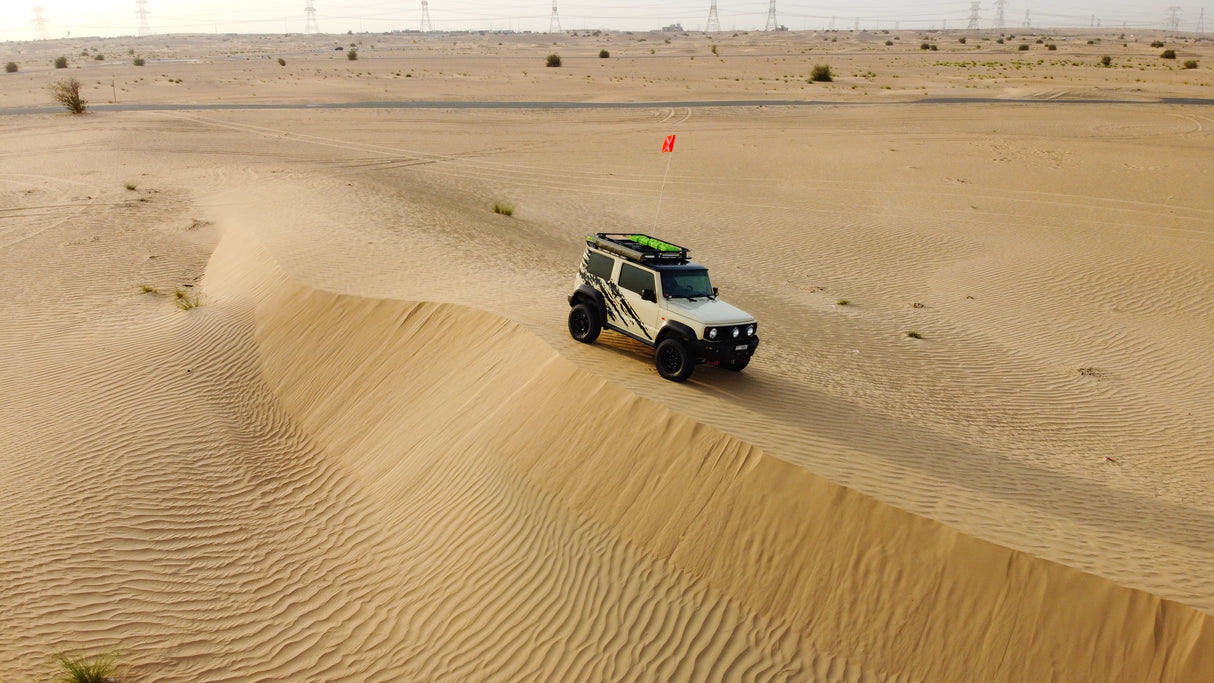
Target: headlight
column 735, row 332
column 750, row 331
column 712, row 333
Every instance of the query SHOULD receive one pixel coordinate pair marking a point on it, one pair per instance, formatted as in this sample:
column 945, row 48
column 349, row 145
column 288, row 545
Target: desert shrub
column 282, row 62
column 1168, row 54
column 1106, row 61
column 999, row 40
column 1190, row 64
column 81, row 669
column 138, row 61
column 187, row 299
column 352, row 54
column 503, row 208
column 889, row 42
column 934, row 47
column 925, row 46
column 553, row 60
column 1051, row 46
column 1040, row 41
column 1156, row 43
column 1091, row 42
column 914, row 335
column 603, row 54
column 67, row 93
column 714, row 49
column 131, row 186
column 61, row 62
column 1023, row 47
column 11, row 68
column 99, row 57
column 961, row 40
column 821, row 74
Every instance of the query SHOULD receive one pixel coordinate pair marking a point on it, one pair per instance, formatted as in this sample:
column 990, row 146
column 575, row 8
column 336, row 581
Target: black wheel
column 736, row 364
column 673, row 360
column 584, row 324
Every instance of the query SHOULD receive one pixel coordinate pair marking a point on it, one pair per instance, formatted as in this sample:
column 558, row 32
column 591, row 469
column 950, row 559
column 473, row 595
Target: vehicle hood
column 709, row 311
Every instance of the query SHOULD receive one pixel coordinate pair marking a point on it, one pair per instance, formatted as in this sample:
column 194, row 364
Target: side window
column 600, row 265
column 635, row 279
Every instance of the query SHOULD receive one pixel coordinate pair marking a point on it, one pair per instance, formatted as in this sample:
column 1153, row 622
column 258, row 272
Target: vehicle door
column 638, row 292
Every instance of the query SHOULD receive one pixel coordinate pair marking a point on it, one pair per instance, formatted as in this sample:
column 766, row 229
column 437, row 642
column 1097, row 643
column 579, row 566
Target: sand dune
column 373, row 453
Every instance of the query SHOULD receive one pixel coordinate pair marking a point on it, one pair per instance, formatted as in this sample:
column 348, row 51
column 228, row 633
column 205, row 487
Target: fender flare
column 676, row 329
column 592, row 296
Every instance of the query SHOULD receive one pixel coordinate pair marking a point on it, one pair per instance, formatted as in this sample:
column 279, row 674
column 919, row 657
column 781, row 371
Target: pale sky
column 82, row 18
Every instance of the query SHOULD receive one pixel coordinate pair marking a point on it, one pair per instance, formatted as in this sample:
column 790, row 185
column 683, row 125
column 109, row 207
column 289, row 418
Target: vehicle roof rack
column 639, row 248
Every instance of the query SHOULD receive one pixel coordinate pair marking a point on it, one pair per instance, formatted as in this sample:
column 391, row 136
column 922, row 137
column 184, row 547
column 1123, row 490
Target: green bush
column 925, row 46
column 80, row 669
column 1106, row 60
column 138, row 61
column 99, row 57
column 961, row 40
column 603, row 54
column 1168, row 54
column 889, row 42
column 1051, row 46
column 821, row 74
column 1190, row 64
column 1023, row 47
column 11, row 68
column 282, row 62
column 999, row 40
column 1156, row 43
column 553, row 60
column 61, row 62
column 503, row 208
column 67, row 93
column 352, row 54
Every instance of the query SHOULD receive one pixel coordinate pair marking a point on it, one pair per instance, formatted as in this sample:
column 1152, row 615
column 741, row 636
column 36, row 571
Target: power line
column 310, row 19
column 714, row 23
column 39, row 23
column 142, row 11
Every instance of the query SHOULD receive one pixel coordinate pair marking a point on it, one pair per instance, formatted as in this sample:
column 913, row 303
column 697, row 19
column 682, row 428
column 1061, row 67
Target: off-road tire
column 736, row 364
column 584, row 324
column 673, row 360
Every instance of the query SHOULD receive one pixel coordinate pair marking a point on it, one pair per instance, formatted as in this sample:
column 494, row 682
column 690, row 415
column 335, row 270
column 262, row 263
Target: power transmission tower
column 310, row 19
column 1201, row 21
column 39, row 24
column 142, row 11
column 714, row 24
column 832, row 24
column 974, row 7
column 425, row 25
column 771, row 16
column 1173, row 18
column 857, row 28
column 554, row 25
column 1028, row 22
column 999, row 5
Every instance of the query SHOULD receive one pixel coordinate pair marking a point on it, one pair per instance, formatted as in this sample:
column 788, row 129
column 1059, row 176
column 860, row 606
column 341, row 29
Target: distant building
column 673, row 28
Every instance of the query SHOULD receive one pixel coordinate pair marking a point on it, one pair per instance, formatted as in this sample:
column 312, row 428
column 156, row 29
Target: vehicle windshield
column 686, row 284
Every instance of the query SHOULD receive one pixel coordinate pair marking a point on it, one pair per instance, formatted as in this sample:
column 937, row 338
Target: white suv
column 651, row 291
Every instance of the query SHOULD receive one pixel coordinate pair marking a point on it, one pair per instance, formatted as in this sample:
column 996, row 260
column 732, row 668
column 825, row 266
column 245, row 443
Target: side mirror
column 649, row 295
column 714, row 291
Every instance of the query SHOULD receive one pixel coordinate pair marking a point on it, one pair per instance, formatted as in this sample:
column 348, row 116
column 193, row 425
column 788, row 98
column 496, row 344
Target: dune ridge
column 564, row 450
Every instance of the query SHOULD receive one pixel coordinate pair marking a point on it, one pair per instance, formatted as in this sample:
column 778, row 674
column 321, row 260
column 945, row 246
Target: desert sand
column 372, row 452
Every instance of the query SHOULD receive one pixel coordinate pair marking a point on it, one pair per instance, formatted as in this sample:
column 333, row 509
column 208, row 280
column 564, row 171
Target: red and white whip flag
column 668, row 144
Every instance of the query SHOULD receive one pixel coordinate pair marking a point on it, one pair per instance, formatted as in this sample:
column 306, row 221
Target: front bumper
column 719, row 351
